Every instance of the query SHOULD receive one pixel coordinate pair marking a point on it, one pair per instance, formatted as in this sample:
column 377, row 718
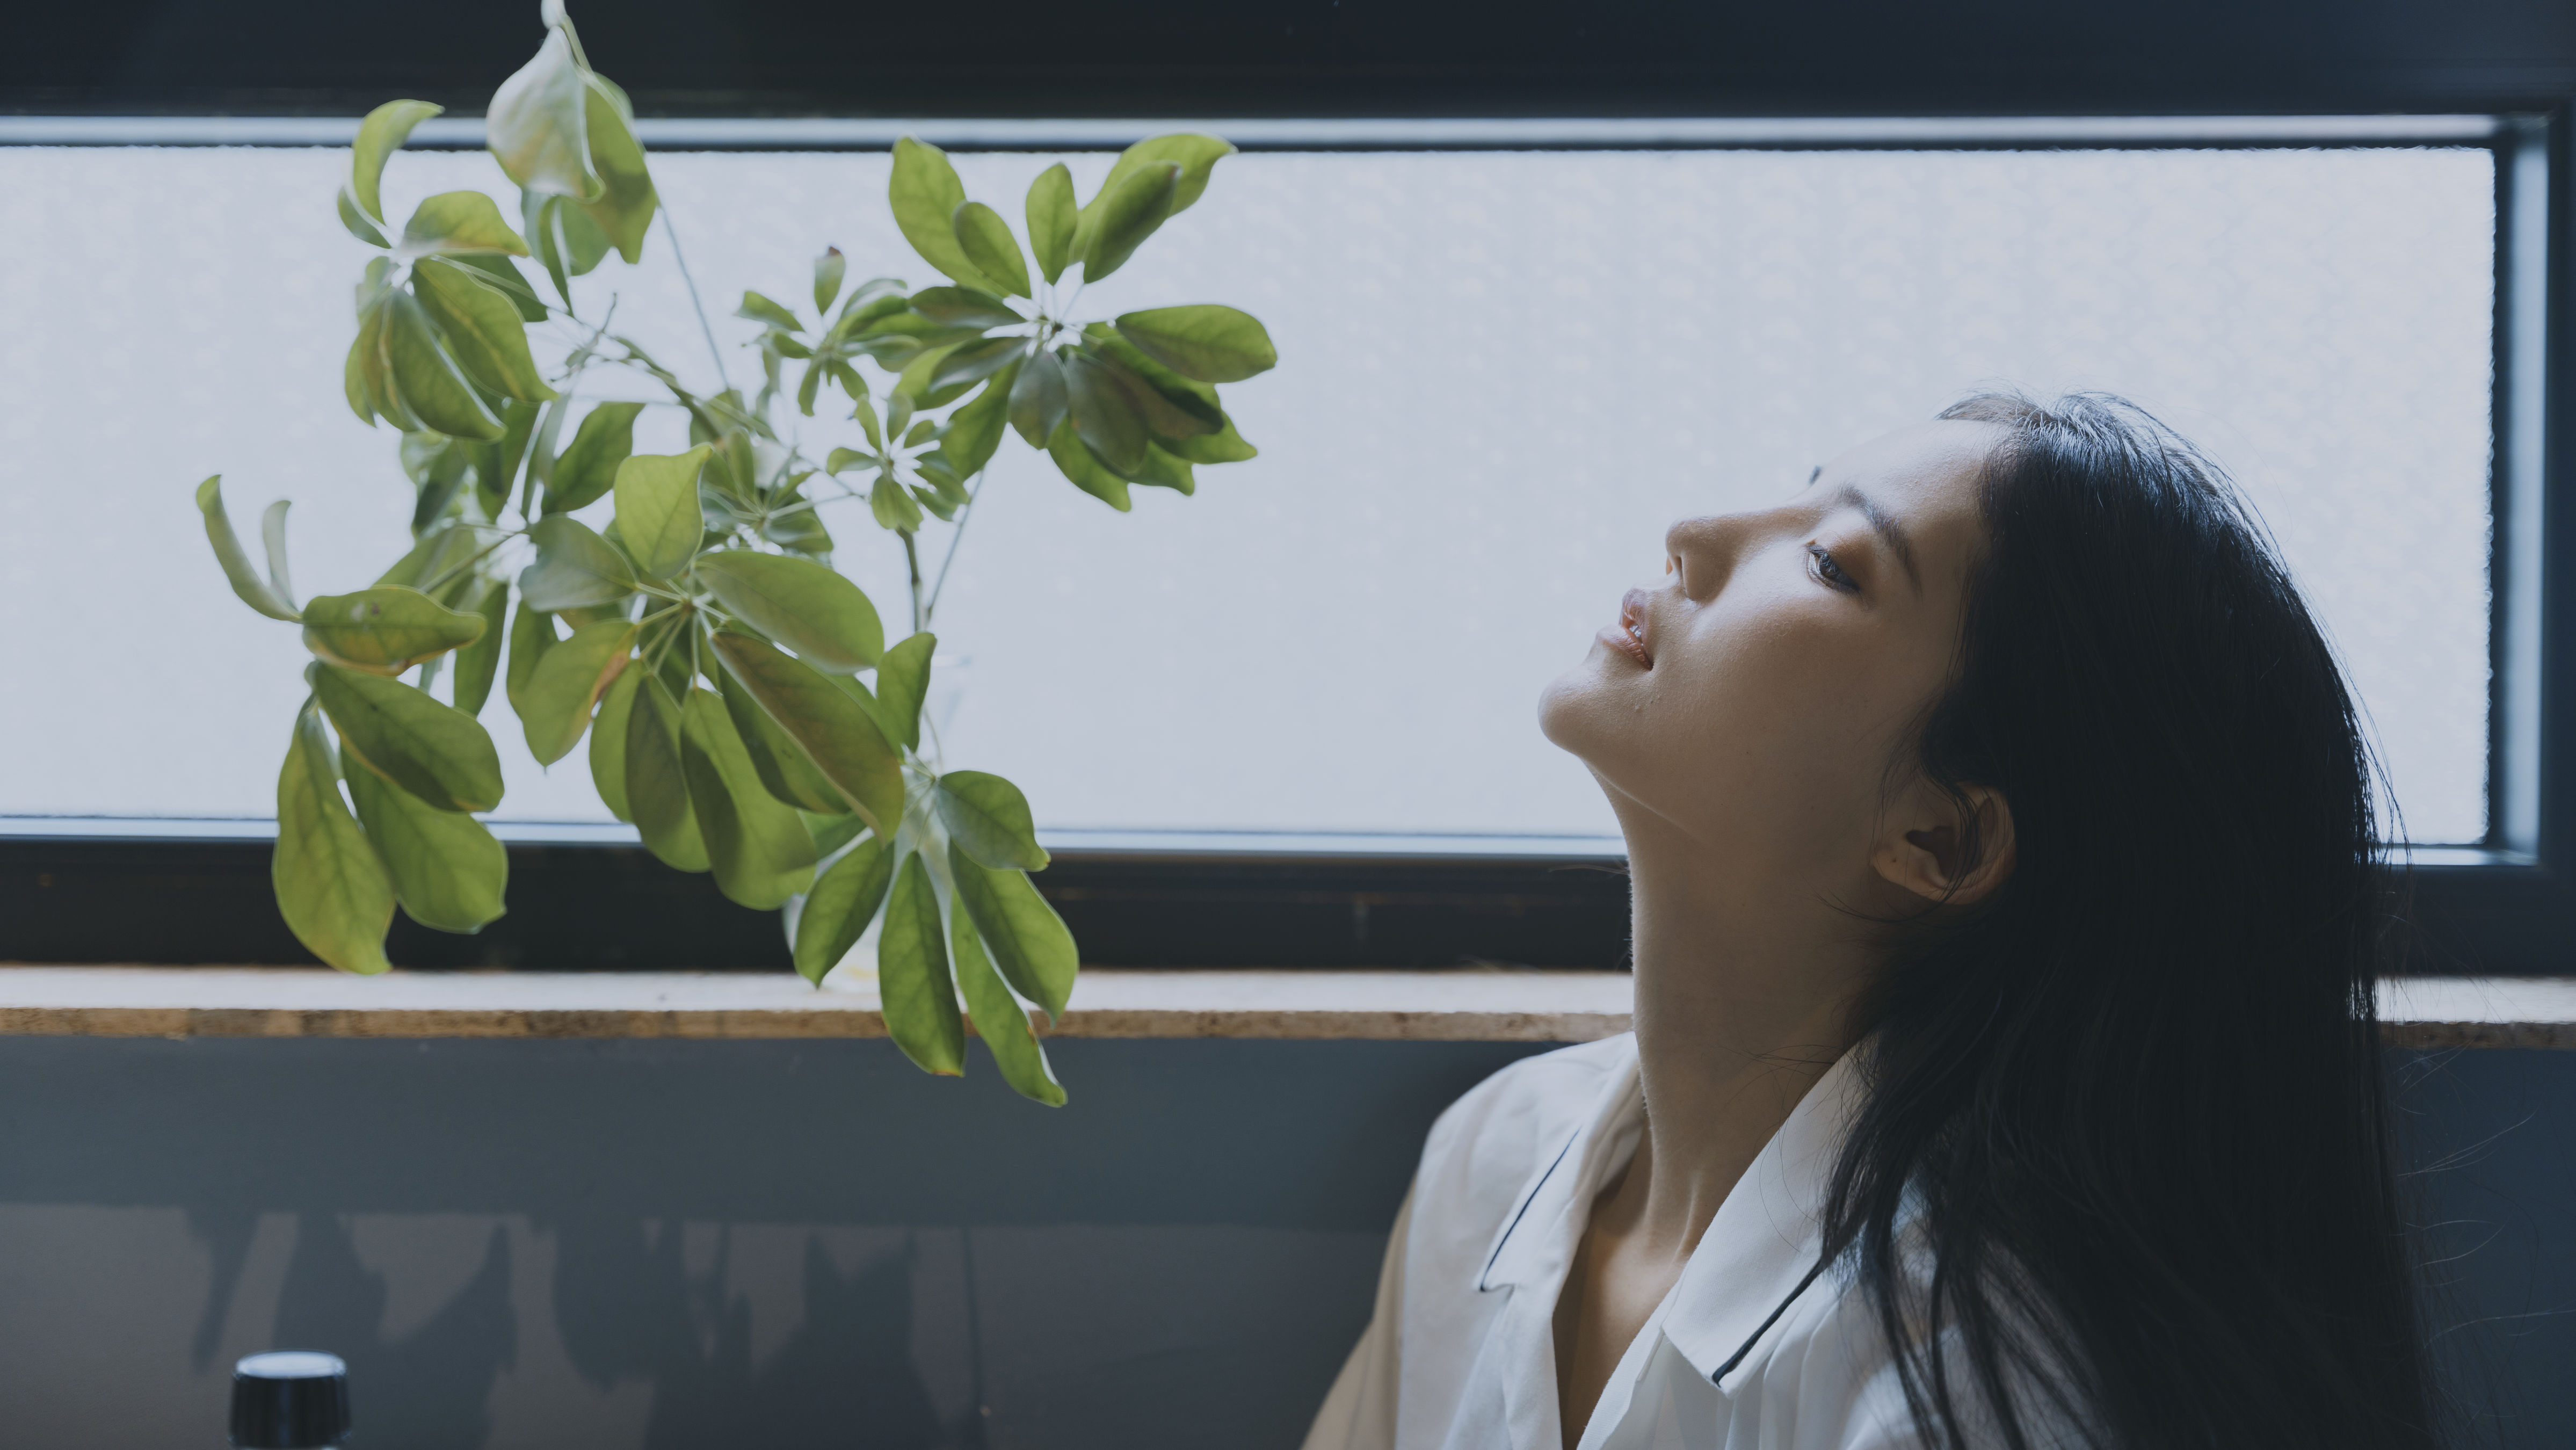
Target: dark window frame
column 80, row 892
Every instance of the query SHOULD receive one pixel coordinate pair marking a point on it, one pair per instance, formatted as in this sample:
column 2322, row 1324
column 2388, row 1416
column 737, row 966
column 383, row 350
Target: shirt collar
column 1538, row 1238
column 1765, row 1245
column 1762, row 1250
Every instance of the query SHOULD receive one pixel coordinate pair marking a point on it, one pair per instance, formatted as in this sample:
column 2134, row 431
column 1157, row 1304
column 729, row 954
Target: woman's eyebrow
column 1889, row 531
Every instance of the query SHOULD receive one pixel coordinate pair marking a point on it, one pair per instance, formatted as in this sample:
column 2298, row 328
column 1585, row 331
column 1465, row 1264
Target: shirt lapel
column 1529, row 1258
column 1763, row 1248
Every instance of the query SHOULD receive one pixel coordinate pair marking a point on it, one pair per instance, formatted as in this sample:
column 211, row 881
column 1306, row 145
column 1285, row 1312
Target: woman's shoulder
column 1491, row 1139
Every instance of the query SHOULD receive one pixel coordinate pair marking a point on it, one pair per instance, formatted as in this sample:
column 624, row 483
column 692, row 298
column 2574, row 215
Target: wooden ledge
column 1427, row 1006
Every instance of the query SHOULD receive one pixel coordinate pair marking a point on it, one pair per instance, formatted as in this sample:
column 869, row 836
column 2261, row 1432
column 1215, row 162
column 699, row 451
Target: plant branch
column 686, row 280
column 912, row 562
column 963, row 515
column 459, row 567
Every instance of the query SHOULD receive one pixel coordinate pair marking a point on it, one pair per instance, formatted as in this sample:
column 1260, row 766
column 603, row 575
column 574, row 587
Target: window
column 1511, row 354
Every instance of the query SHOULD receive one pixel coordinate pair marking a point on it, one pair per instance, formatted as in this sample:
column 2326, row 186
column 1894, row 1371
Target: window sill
column 1431, row 1006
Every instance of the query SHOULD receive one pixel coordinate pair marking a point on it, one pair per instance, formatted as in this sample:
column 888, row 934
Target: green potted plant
column 742, row 703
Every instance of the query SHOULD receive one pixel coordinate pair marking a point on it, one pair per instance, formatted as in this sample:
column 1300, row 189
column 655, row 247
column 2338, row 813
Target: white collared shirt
column 1751, row 1350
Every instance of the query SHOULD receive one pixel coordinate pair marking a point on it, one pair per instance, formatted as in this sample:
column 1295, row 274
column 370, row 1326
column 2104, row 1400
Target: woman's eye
column 1831, row 572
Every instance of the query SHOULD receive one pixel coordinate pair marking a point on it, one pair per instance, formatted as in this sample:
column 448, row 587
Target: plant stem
column 686, row 280
column 963, row 515
column 452, row 570
column 912, row 561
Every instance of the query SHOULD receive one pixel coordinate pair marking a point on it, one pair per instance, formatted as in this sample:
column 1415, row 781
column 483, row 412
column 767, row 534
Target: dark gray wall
column 810, row 1244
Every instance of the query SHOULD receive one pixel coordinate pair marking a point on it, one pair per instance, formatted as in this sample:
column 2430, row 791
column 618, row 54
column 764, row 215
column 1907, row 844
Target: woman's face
column 1754, row 701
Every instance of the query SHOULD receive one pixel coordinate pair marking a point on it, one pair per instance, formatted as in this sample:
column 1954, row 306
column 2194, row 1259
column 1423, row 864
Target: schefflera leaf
column 837, row 912
column 657, row 781
column 757, row 845
column 331, row 886
column 462, row 224
column 575, row 568
column 447, row 870
column 435, row 752
column 1052, row 218
column 379, row 136
column 477, row 663
column 811, row 609
column 254, row 591
column 1030, row 944
column 385, row 631
column 834, row 730
column 657, row 510
column 567, row 683
column 588, row 466
column 536, row 124
column 989, row 246
column 784, row 768
column 427, row 383
column 903, row 682
column 1128, row 210
column 988, row 818
column 608, row 743
column 924, row 193
column 482, row 328
column 999, row 1018
column 1207, row 342
column 913, row 985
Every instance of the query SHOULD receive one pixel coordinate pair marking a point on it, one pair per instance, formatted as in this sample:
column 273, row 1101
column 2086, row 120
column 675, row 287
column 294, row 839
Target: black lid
column 290, row 1399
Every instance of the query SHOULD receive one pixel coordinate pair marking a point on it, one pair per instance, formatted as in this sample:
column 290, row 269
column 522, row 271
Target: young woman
column 2005, row 1070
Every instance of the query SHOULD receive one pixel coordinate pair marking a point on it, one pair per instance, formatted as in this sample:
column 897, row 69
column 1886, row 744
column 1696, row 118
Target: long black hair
column 2123, row 1166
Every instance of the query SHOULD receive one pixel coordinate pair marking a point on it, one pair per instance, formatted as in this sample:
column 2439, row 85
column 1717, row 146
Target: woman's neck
column 1742, row 986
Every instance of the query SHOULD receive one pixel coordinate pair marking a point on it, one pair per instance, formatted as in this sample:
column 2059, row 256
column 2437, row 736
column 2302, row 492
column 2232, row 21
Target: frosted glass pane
column 1502, row 374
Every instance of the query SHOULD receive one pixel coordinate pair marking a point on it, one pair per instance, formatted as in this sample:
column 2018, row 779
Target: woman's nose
column 1702, row 552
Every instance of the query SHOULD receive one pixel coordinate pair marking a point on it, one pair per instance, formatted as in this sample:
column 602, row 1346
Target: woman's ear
column 1925, row 844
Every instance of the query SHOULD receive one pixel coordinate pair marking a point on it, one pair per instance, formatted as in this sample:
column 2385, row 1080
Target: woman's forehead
column 1921, row 471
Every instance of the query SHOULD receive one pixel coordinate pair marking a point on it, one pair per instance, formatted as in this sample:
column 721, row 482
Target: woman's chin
column 1569, row 706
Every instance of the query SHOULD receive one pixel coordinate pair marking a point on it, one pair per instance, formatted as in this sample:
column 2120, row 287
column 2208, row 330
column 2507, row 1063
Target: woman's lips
column 1628, row 637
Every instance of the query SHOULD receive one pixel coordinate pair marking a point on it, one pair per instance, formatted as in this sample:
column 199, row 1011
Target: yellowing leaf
column 385, row 631
column 568, row 682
